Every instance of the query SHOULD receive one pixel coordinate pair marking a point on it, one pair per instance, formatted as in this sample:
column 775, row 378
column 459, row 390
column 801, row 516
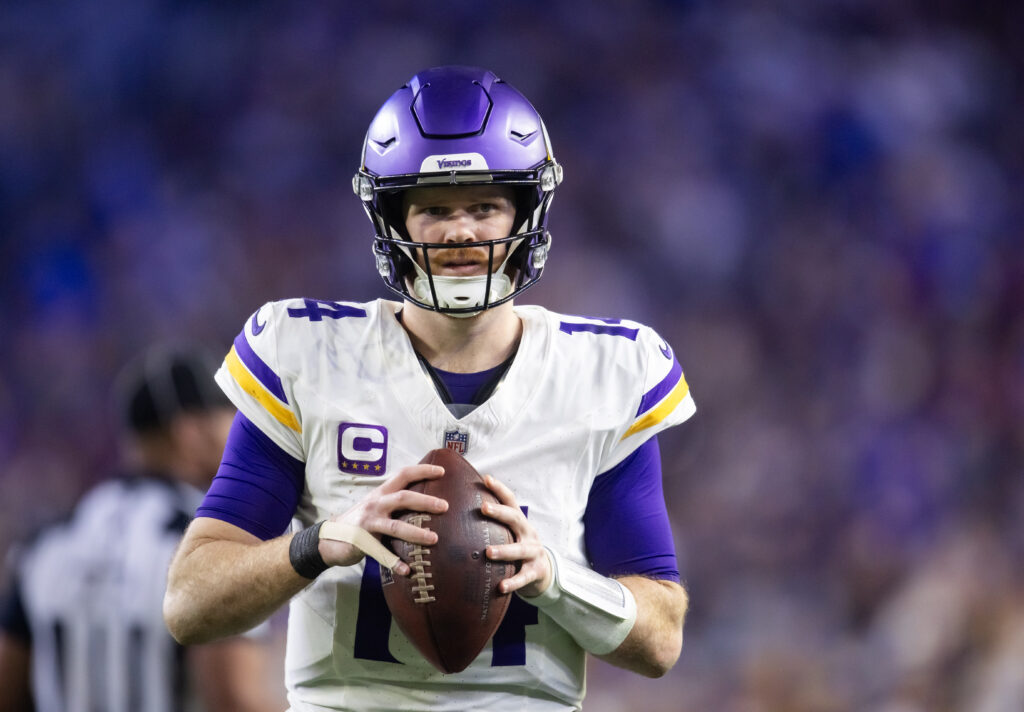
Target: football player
column 80, row 624
column 338, row 401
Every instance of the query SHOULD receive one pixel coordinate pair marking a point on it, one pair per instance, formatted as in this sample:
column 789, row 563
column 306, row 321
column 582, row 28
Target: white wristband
column 598, row 612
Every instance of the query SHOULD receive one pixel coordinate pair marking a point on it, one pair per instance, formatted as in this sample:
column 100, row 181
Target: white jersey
column 92, row 591
column 339, row 386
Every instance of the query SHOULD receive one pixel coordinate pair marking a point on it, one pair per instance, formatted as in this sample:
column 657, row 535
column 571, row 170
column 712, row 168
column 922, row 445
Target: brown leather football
column 449, row 606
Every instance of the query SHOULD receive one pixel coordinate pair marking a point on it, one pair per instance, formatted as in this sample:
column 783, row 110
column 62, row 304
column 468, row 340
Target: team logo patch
column 362, row 448
column 456, row 440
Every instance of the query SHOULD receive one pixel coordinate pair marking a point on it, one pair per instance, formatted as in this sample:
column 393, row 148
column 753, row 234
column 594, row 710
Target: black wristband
column 304, row 552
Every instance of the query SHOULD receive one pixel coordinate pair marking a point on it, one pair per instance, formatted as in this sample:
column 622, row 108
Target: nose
column 459, row 228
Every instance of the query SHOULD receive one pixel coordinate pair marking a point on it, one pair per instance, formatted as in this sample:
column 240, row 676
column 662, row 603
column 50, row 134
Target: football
column 449, row 606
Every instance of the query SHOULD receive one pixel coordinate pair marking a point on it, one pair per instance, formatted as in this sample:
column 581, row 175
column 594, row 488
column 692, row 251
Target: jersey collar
column 414, row 389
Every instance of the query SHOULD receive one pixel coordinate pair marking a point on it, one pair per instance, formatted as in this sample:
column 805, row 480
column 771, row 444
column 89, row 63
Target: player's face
column 460, row 215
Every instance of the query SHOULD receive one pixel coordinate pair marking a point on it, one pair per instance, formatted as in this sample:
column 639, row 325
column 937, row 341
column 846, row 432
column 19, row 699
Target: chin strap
column 461, row 292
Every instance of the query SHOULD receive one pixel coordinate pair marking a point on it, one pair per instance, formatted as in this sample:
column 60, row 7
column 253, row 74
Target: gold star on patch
column 376, row 468
column 366, row 467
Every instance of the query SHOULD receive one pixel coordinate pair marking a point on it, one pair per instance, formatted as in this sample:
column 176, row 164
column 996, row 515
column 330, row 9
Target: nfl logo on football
column 456, row 440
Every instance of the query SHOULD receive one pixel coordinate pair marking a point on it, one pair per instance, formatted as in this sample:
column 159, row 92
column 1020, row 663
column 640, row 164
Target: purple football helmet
column 458, row 126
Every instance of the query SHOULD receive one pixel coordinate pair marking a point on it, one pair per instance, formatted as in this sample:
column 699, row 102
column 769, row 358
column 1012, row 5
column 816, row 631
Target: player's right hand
column 374, row 514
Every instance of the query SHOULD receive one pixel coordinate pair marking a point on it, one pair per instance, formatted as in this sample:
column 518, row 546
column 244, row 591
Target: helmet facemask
column 462, row 296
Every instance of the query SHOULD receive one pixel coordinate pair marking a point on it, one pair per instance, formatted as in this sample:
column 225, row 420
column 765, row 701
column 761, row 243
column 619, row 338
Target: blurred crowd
column 811, row 199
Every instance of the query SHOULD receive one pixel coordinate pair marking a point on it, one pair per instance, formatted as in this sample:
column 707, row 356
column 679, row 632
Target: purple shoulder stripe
column 653, row 397
column 259, row 369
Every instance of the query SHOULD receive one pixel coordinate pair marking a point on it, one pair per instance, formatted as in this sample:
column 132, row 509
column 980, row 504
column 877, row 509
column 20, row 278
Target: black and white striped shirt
column 87, row 595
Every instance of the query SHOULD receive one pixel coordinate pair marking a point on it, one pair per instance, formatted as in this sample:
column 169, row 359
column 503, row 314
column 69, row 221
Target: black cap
column 165, row 381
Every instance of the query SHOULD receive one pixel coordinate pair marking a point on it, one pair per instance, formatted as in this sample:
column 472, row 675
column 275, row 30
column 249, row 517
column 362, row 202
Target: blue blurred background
column 813, row 200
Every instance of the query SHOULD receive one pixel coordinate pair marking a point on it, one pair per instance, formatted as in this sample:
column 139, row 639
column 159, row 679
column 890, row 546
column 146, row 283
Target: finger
column 413, row 473
column 414, row 501
column 339, row 553
column 505, row 514
column 518, row 551
column 514, row 583
column 504, row 494
column 397, row 529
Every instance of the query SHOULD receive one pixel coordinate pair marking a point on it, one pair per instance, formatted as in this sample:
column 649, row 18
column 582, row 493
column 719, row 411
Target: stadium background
column 814, row 200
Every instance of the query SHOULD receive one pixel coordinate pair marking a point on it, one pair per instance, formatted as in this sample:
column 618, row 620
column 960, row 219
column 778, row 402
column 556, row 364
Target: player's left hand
column 535, row 574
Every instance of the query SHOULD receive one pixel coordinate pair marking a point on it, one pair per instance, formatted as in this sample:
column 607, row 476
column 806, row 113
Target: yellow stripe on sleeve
column 667, row 405
column 254, row 388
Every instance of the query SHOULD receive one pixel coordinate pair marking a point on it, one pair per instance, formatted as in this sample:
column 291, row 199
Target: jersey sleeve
column 257, row 486
column 660, row 397
column 630, row 495
column 258, row 384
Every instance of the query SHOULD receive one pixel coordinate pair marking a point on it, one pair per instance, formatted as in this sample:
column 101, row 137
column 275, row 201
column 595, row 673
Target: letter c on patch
column 362, row 448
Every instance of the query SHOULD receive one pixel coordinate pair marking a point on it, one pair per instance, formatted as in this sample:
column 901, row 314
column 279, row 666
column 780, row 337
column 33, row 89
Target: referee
column 81, row 628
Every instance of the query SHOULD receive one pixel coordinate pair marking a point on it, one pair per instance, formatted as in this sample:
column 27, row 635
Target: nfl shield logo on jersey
column 456, row 440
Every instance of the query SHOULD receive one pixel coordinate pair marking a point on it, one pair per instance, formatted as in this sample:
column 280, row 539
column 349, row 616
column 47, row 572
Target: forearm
column 218, row 587
column 224, row 580
column 632, row 622
column 656, row 639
